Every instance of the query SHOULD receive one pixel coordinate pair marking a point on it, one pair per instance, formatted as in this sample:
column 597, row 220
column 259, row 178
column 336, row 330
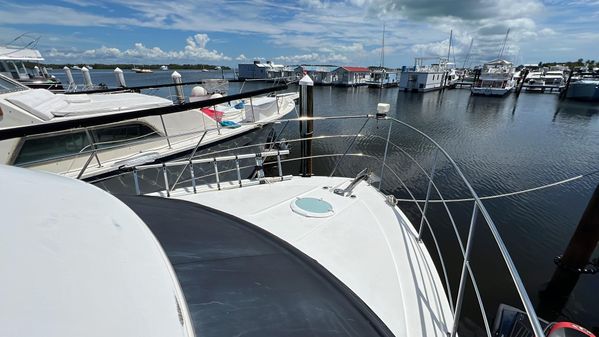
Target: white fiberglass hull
column 483, row 91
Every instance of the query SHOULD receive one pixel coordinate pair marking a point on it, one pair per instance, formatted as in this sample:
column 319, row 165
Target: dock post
column 564, row 92
column 87, row 79
column 585, row 238
column 178, row 88
column 574, row 262
column 72, row 85
column 306, row 127
column 522, row 79
column 120, row 77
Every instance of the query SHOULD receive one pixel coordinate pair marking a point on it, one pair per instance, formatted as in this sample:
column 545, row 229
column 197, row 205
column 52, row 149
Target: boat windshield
column 7, row 85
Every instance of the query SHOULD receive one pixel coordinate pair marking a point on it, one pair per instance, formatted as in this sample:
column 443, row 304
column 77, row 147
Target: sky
column 345, row 32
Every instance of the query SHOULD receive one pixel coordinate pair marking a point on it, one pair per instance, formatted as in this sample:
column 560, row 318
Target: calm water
column 502, row 145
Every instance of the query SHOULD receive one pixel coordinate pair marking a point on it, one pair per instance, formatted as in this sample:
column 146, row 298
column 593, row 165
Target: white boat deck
column 367, row 244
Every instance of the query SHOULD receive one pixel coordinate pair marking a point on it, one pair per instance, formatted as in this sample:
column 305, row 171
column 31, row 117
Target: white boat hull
column 490, row 91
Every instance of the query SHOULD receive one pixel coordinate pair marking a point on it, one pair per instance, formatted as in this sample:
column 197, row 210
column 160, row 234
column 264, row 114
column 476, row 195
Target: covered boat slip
column 239, row 280
column 364, row 242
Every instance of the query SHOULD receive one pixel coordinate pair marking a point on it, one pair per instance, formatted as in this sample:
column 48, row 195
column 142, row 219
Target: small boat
column 76, row 67
column 142, row 70
column 163, row 68
column 496, row 79
column 382, row 77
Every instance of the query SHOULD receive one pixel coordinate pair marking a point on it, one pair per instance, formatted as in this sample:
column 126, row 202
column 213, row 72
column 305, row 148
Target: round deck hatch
column 312, row 207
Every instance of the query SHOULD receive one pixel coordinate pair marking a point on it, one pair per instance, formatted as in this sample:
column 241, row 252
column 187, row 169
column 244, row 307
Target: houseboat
column 321, row 75
column 260, row 71
column 383, row 78
column 350, row 76
column 496, row 79
column 423, row 78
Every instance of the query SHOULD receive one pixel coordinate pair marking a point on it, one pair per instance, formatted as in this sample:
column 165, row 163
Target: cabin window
column 44, row 148
column 106, row 137
column 57, row 146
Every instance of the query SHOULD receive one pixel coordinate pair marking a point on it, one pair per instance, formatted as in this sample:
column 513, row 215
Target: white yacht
column 12, row 65
column 87, row 152
column 496, row 79
column 164, row 68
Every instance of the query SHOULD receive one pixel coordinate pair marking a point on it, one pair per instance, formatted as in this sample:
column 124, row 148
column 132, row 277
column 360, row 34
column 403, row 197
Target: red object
column 567, row 329
column 357, row 69
column 214, row 114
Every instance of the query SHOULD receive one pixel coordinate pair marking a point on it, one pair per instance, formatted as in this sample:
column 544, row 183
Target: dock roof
column 356, row 69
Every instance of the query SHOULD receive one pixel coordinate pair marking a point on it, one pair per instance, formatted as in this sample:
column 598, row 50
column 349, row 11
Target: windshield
column 8, row 85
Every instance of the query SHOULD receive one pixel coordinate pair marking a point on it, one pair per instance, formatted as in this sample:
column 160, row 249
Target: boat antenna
column 468, row 54
column 503, row 46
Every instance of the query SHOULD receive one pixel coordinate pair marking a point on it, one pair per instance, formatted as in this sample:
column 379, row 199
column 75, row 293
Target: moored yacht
column 122, row 137
column 12, row 65
column 496, row 79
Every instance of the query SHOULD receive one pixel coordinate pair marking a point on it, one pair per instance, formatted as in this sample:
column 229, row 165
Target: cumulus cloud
column 194, row 51
column 312, row 58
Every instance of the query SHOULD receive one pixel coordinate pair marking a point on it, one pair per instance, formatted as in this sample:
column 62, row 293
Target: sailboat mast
column 504, row 42
column 468, row 54
column 383, row 48
column 449, row 48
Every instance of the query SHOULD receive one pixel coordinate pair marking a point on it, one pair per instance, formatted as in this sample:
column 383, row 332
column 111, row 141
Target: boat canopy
column 80, row 263
column 19, row 54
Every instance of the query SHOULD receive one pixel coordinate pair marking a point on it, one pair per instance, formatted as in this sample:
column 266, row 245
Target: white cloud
column 241, row 57
column 194, row 51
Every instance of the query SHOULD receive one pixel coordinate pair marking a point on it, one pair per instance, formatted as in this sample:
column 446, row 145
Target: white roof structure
column 19, row 54
column 75, row 261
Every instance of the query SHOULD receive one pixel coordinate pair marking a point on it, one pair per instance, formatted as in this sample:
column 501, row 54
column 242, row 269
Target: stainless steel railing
column 390, row 180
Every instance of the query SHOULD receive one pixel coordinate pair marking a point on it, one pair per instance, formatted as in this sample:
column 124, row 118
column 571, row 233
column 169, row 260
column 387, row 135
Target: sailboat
column 497, row 76
column 381, row 77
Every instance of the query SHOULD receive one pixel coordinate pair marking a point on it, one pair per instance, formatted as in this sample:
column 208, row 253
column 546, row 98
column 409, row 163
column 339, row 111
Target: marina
column 287, row 172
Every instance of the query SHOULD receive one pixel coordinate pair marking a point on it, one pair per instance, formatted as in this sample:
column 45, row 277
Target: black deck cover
column 239, row 280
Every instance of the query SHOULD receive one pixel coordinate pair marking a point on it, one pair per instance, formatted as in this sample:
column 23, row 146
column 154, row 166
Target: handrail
column 478, row 206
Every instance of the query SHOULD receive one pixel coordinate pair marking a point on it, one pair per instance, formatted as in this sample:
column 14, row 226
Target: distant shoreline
column 127, row 66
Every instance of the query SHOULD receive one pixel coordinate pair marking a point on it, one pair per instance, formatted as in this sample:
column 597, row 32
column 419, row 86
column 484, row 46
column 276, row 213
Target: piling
column 523, row 75
column 306, row 127
column 87, row 79
column 584, row 240
column 574, row 262
column 70, row 79
column 564, row 92
column 178, row 87
column 120, row 77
